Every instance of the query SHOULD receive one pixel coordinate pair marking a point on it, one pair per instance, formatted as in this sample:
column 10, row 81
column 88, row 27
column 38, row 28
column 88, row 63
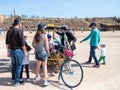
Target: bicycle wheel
column 71, row 73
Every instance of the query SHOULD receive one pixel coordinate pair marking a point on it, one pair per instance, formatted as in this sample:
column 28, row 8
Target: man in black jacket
column 65, row 32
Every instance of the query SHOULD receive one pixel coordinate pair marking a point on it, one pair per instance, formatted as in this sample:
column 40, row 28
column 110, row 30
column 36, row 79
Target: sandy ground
column 107, row 77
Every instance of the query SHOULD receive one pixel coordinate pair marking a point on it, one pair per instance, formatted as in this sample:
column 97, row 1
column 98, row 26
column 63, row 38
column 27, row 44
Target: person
column 40, row 43
column 51, row 44
column 102, row 53
column 67, row 35
column 94, row 37
column 16, row 49
column 25, row 62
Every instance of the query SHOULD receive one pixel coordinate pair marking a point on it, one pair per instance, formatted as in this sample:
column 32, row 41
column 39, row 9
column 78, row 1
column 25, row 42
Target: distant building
column 109, row 27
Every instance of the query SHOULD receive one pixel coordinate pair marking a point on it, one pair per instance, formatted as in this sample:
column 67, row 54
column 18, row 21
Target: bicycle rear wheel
column 71, row 73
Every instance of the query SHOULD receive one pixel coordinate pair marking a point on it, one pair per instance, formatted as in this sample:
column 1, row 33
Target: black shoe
column 21, row 82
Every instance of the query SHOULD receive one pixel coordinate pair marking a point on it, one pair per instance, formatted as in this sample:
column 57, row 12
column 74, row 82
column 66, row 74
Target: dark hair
column 16, row 21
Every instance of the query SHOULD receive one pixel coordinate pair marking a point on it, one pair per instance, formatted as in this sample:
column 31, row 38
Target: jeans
column 93, row 54
column 16, row 58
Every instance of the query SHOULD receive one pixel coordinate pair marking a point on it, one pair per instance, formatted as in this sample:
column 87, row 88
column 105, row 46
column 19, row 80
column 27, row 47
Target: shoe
column 37, row 78
column 46, row 83
column 12, row 82
column 16, row 84
column 28, row 79
column 21, row 82
column 103, row 63
column 97, row 66
column 87, row 62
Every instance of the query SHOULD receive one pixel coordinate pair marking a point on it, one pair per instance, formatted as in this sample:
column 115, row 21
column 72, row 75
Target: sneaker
column 46, row 83
column 12, row 82
column 87, row 62
column 37, row 78
column 28, row 79
column 97, row 66
column 16, row 84
column 103, row 63
column 21, row 82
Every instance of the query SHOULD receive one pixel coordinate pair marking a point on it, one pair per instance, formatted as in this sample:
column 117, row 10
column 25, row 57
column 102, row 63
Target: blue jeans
column 16, row 58
column 93, row 54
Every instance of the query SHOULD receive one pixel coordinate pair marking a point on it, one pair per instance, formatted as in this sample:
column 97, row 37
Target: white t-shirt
column 26, row 59
column 102, row 52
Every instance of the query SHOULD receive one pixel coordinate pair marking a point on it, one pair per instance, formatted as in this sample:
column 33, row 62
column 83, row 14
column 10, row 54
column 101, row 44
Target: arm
column 59, row 33
column 89, row 36
column 7, row 44
column 46, row 44
column 22, row 42
column 33, row 43
column 73, row 38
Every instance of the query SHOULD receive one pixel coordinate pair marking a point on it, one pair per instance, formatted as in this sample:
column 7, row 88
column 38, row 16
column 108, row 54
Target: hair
column 38, row 34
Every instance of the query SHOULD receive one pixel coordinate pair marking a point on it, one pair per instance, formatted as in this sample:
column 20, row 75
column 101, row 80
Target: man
column 94, row 37
column 67, row 36
column 15, row 45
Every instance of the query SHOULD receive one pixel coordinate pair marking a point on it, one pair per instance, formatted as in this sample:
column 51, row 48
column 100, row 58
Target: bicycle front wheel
column 71, row 73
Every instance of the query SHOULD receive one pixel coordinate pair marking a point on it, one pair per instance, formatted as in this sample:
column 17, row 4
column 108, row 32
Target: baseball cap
column 49, row 36
column 65, row 27
column 41, row 25
column 93, row 23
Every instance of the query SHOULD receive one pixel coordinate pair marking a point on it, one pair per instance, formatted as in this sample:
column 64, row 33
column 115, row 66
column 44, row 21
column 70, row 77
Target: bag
column 73, row 47
column 28, row 48
column 42, row 56
column 68, row 53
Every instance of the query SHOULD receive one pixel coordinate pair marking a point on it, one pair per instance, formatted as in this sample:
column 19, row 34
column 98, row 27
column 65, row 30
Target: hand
column 48, row 54
column 25, row 53
column 54, row 30
column 8, row 54
column 71, row 43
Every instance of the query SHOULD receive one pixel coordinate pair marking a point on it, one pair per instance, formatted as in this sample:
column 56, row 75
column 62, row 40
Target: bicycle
column 71, row 71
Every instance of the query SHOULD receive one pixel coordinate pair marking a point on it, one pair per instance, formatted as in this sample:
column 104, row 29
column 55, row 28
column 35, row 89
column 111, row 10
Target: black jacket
column 70, row 37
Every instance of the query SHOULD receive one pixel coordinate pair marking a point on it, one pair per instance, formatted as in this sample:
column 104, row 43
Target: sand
column 107, row 77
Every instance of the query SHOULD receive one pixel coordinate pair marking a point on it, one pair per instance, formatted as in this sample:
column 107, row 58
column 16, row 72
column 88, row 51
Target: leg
column 45, row 72
column 90, row 57
column 100, row 59
column 94, row 55
column 19, row 59
column 38, row 63
column 104, row 60
column 21, row 72
column 27, row 71
column 13, row 67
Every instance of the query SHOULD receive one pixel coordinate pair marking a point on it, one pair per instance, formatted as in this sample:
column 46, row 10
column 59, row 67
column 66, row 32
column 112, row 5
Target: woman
column 40, row 43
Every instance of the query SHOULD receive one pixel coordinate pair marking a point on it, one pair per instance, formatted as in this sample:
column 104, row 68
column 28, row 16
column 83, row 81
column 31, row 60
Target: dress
column 40, row 50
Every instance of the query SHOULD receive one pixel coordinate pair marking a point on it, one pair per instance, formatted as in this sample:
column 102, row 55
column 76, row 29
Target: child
column 102, row 53
column 26, row 62
column 51, row 44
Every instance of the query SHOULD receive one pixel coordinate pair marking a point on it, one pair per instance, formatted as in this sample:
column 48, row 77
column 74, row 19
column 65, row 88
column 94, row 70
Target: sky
column 62, row 8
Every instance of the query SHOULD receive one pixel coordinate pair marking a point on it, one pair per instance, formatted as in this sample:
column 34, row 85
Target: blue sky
column 62, row 8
